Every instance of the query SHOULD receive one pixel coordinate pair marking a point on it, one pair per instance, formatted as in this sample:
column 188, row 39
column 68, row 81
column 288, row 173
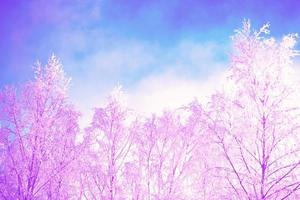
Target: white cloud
column 170, row 91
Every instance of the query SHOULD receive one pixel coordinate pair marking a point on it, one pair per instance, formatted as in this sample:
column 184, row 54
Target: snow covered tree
column 255, row 119
column 109, row 142
column 37, row 136
column 165, row 148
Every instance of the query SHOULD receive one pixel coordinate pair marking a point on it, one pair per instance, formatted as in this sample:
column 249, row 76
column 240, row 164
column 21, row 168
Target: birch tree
column 38, row 129
column 255, row 119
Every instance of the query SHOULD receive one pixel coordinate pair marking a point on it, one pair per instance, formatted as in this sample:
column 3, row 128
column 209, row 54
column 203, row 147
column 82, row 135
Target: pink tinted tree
column 255, row 122
column 203, row 175
column 108, row 146
column 165, row 150
column 37, row 136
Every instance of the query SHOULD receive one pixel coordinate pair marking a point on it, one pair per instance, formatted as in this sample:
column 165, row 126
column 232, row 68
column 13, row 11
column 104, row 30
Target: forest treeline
column 242, row 144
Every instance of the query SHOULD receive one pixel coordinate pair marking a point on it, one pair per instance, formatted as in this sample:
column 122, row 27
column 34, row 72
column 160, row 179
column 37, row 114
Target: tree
column 255, row 122
column 109, row 142
column 37, row 136
column 165, row 149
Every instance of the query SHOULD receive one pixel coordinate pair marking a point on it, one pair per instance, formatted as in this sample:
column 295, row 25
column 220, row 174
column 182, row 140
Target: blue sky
column 142, row 45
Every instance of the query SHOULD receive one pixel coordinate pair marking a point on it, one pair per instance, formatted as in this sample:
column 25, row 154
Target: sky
column 163, row 53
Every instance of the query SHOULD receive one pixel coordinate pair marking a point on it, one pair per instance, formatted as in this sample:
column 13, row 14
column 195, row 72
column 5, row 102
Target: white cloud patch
column 155, row 94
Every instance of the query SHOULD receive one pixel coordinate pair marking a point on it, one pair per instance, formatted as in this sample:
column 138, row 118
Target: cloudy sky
column 164, row 53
